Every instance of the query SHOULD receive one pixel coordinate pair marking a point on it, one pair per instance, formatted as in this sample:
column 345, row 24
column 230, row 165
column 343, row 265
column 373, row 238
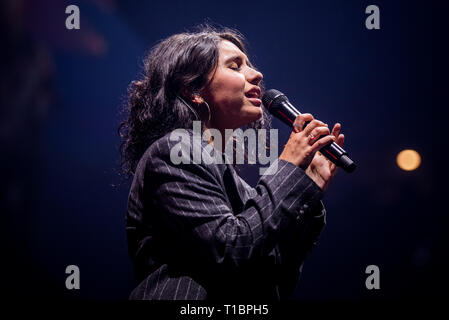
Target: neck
column 224, row 141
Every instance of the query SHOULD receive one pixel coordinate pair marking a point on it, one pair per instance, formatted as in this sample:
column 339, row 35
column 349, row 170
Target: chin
column 251, row 117
column 255, row 113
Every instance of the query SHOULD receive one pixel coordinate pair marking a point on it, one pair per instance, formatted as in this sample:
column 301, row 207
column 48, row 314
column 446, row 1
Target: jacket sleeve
column 193, row 206
column 294, row 247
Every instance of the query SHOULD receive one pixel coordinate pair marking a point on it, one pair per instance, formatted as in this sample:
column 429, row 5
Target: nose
column 254, row 76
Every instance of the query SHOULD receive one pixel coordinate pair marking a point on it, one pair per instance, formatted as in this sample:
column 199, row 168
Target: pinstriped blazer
column 198, row 231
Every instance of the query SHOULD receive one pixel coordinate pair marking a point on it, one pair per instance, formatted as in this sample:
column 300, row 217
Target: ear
column 197, row 99
column 193, row 97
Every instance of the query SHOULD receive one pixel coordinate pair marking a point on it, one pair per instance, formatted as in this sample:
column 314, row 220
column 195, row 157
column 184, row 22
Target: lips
column 255, row 101
column 253, row 96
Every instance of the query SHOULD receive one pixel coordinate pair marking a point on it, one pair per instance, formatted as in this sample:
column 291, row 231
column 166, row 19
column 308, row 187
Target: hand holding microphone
column 321, row 170
column 304, row 143
column 278, row 105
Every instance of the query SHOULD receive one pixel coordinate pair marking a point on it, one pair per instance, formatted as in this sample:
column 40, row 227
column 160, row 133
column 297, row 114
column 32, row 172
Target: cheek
column 231, row 87
column 239, row 83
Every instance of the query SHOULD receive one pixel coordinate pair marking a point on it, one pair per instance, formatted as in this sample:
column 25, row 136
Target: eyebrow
column 235, row 57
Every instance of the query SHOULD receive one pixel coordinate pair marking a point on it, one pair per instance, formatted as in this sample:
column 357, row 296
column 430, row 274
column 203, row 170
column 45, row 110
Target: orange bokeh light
column 408, row 160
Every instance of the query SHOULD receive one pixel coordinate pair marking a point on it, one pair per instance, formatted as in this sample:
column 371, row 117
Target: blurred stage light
column 408, row 159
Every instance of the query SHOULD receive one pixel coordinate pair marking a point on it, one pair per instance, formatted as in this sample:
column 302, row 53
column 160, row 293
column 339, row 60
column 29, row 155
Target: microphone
column 279, row 106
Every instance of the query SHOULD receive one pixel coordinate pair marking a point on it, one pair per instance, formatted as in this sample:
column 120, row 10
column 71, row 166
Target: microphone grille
column 269, row 96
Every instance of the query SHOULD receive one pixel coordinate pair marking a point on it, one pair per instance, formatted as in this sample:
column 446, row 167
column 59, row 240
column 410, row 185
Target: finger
column 322, row 142
column 298, row 124
column 312, row 125
column 301, row 121
column 336, row 130
column 308, row 117
column 341, row 140
column 317, row 132
column 333, row 169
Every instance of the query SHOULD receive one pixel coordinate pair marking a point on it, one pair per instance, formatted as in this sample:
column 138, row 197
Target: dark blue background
column 64, row 204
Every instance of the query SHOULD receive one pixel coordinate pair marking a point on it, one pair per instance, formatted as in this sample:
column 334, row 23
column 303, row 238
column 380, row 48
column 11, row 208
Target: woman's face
column 233, row 93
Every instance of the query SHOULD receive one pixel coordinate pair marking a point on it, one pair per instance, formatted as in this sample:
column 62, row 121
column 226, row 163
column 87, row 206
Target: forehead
column 228, row 50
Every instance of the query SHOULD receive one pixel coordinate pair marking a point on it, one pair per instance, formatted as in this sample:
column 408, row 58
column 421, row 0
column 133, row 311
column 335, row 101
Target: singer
column 198, row 231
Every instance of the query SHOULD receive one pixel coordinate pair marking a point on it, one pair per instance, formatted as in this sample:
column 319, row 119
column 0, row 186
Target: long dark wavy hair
column 153, row 108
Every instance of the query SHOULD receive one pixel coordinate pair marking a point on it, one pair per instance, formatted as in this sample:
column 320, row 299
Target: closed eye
column 235, row 66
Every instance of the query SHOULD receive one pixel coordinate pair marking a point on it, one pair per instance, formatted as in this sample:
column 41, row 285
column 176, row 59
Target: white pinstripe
column 188, row 288
column 177, row 288
column 157, row 282
column 237, row 231
column 162, row 291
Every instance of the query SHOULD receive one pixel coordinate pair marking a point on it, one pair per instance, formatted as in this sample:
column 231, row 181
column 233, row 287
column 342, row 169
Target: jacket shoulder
column 179, row 149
